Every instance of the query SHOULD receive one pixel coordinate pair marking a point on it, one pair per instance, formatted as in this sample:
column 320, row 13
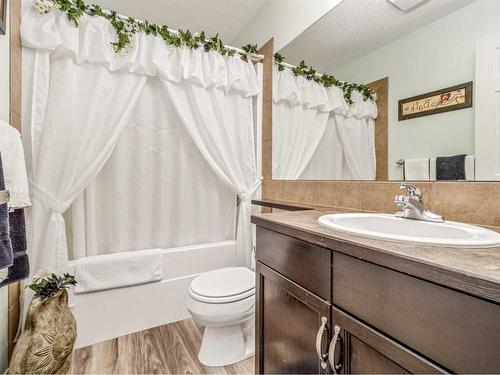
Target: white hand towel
column 432, row 169
column 14, row 166
column 111, row 271
column 416, row 169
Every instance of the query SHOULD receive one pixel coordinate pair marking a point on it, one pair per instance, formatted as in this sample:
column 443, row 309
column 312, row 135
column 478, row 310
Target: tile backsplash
column 470, row 202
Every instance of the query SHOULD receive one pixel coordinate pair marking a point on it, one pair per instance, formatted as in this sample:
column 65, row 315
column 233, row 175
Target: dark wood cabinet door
column 363, row 350
column 289, row 319
column 458, row 331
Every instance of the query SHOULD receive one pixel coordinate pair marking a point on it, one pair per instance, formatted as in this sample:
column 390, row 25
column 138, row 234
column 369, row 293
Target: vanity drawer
column 455, row 330
column 306, row 264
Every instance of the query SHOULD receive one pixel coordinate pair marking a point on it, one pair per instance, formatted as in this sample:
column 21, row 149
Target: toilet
column 223, row 303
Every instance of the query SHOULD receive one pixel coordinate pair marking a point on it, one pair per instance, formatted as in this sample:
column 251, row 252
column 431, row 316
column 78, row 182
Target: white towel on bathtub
column 118, row 270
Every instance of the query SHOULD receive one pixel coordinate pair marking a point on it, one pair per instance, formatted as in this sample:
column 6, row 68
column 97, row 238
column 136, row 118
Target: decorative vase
column 47, row 339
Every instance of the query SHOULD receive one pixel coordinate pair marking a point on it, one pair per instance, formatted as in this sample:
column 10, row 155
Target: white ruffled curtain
column 221, row 126
column 305, row 146
column 155, row 191
column 71, row 145
column 83, row 95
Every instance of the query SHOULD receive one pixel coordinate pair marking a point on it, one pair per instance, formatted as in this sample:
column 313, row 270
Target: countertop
column 475, row 271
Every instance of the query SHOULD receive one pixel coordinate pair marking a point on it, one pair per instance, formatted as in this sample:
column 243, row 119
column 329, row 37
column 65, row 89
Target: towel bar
column 4, row 196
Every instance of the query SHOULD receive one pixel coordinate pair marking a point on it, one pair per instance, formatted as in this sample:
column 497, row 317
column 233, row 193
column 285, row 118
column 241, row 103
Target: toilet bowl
column 223, row 303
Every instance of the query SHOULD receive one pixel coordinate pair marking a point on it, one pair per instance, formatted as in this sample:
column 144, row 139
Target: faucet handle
column 411, row 190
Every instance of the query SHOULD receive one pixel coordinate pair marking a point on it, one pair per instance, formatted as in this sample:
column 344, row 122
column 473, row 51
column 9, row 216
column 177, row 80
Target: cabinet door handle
column 319, row 339
column 331, row 351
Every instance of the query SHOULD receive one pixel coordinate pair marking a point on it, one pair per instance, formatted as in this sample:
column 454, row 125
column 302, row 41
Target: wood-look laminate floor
column 168, row 349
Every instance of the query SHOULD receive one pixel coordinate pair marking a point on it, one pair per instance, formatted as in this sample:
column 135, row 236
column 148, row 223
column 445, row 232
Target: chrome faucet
column 412, row 205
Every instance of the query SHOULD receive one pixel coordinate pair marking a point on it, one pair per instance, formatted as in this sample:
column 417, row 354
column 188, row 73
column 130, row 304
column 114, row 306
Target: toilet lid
column 224, row 282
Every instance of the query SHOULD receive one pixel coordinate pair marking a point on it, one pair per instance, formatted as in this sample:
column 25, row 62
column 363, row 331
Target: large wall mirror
column 410, row 94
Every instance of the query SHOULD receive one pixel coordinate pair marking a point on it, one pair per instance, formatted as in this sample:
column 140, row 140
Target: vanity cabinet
column 386, row 321
column 293, row 320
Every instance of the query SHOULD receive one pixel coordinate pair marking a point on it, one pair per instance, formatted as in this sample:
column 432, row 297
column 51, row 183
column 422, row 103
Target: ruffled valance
column 297, row 90
column 149, row 55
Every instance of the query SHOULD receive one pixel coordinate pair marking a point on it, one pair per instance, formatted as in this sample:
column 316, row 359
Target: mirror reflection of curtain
column 358, row 142
column 300, row 131
column 317, row 134
column 299, row 122
column 326, row 162
column 357, row 133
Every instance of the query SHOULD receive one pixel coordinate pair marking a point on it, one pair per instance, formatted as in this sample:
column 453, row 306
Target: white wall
column 284, row 20
column 438, row 55
column 4, row 115
column 4, row 76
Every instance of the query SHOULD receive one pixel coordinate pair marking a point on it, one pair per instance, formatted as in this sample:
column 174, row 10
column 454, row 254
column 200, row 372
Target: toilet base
column 222, row 346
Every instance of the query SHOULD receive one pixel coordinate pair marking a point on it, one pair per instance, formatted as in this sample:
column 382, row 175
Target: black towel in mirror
column 450, row 167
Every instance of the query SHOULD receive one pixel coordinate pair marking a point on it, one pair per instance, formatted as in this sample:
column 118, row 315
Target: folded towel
column 16, row 180
column 20, row 268
column 118, row 270
column 416, row 170
column 6, row 255
column 450, row 167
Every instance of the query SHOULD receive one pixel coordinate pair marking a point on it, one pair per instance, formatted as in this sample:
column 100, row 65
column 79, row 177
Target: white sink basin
column 391, row 228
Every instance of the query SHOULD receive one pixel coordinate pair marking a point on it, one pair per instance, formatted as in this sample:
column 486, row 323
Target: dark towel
column 20, row 269
column 6, row 256
column 450, row 167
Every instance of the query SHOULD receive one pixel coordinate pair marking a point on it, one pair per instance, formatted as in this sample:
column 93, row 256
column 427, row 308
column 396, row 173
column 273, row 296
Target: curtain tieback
column 247, row 195
column 47, row 199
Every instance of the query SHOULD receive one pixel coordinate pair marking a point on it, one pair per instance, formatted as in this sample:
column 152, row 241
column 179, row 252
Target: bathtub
column 104, row 315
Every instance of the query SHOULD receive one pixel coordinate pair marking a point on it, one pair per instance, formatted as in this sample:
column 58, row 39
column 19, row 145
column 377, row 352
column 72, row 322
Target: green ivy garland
column 126, row 27
column 326, row 80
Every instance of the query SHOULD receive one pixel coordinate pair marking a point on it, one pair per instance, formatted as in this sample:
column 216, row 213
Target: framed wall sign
column 444, row 100
column 3, row 16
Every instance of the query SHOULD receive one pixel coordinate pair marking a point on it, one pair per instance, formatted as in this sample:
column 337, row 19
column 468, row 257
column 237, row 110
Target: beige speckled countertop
column 475, row 271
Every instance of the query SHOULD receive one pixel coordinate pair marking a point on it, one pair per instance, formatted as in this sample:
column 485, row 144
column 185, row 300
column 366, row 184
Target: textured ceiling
column 226, row 17
column 356, row 27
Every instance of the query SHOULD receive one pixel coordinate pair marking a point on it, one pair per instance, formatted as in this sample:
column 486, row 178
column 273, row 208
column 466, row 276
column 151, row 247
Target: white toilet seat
column 218, row 300
column 223, row 285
